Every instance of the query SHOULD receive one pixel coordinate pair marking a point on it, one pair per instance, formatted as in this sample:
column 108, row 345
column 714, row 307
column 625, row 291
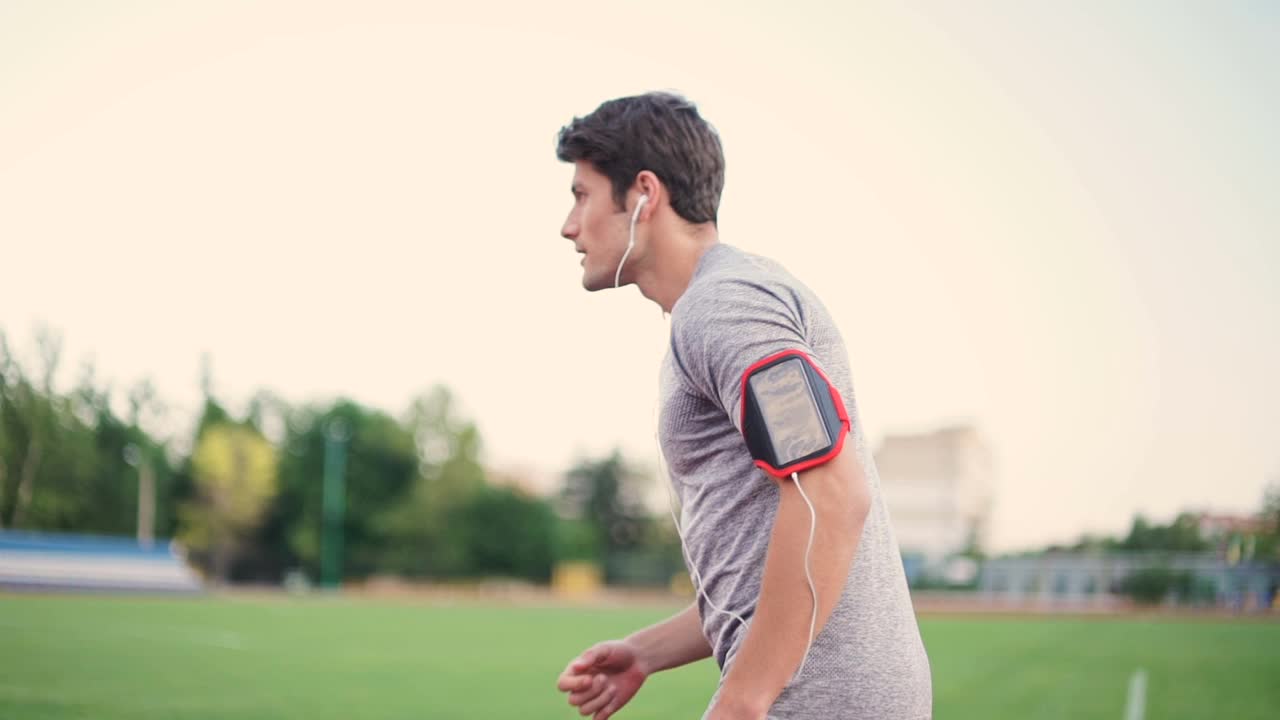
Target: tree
column 62, row 460
column 1181, row 535
column 1268, row 547
column 605, row 493
column 48, row 446
column 381, row 467
column 235, row 474
column 49, row 345
column 116, row 454
column 449, row 445
column 1151, row 585
column 8, row 379
column 430, row 527
column 506, row 533
column 145, row 455
column 29, row 421
column 182, row 486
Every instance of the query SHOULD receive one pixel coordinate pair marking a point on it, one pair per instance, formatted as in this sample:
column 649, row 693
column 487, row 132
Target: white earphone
column 631, row 242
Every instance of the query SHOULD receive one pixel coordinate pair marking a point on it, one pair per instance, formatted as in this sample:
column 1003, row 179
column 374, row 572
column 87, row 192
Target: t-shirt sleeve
column 730, row 325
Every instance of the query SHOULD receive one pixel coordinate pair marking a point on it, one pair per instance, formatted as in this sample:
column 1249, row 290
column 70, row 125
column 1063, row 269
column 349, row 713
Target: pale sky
column 1059, row 223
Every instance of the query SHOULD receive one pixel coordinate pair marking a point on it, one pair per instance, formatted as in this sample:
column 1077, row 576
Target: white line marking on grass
column 1136, row 706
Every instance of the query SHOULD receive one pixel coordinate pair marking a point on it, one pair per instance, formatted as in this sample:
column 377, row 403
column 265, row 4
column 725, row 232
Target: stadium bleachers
column 51, row 561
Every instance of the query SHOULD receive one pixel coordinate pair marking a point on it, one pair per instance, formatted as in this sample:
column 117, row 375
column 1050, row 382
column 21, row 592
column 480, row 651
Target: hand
column 603, row 679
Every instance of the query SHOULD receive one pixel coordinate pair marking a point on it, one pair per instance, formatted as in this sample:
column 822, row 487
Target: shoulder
column 728, row 310
column 735, row 284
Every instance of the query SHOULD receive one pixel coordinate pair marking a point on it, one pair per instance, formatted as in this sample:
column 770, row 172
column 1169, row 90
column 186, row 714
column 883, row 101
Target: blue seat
column 53, row 561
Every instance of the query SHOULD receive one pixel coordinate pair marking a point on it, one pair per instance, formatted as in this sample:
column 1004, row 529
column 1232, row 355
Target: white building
column 938, row 489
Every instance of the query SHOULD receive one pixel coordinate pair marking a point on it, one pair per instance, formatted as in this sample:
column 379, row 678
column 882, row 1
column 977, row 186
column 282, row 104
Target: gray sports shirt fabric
column 868, row 661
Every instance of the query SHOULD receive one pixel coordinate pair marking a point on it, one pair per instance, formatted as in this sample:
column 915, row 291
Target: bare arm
column 676, row 641
column 779, row 632
column 609, row 674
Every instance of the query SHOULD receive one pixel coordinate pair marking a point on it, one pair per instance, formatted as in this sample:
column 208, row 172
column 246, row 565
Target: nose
column 569, row 230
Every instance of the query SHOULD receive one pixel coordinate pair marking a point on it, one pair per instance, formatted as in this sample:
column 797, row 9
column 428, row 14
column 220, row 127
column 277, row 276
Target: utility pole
column 336, row 434
column 146, row 494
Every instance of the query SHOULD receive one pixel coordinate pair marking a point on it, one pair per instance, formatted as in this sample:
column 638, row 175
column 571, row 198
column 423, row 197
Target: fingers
column 608, row 710
column 572, row 682
column 590, row 658
column 577, row 676
column 594, row 687
column 587, row 688
column 599, row 702
column 582, row 662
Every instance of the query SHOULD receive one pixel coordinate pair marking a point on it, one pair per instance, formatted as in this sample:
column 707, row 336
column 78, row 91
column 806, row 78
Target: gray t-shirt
column 868, row 661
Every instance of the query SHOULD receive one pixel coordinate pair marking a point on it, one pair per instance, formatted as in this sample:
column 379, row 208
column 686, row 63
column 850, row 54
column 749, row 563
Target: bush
column 1150, row 586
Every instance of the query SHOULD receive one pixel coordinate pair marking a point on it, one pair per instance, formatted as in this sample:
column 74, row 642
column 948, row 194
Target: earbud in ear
column 635, row 214
column 631, row 242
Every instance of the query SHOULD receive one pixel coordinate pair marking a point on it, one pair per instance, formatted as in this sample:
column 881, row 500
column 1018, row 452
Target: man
column 648, row 176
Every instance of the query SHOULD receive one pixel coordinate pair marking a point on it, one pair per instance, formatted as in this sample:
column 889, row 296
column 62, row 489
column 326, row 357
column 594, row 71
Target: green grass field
column 115, row 658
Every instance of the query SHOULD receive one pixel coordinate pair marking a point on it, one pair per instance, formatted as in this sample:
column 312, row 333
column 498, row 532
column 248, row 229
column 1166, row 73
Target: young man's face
column 596, row 226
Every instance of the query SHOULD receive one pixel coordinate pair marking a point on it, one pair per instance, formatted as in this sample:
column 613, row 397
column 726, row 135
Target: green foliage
column 381, row 468
column 235, row 472
column 432, row 539
column 62, row 456
column 1094, row 543
column 506, row 533
column 605, row 493
column 578, row 539
column 1150, row 586
column 1268, row 541
column 182, row 488
column 1181, row 535
column 419, row 501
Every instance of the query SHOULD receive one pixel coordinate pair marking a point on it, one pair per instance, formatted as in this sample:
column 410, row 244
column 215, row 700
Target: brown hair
column 660, row 132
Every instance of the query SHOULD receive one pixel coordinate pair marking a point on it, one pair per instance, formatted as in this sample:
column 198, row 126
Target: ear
column 647, row 183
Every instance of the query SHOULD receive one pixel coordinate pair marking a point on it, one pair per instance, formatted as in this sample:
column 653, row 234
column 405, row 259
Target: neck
column 671, row 262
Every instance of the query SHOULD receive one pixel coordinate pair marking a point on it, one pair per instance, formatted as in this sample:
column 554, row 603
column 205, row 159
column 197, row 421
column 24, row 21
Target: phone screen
column 790, row 411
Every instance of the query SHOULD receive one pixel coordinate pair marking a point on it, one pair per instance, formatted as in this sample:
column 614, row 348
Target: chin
column 591, row 281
